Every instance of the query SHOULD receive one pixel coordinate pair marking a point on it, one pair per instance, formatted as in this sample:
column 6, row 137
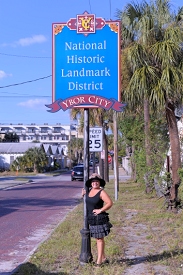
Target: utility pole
column 116, row 169
column 86, row 256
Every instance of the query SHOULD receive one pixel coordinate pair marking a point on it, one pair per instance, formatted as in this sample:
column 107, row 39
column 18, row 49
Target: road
column 29, row 213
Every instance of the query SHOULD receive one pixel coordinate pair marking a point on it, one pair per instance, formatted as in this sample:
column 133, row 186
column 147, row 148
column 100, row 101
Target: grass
column 12, row 173
column 134, row 209
column 22, row 175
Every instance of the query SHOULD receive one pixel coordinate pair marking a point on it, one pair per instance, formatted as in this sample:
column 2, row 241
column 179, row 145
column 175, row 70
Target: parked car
column 91, row 162
column 77, row 173
column 80, row 164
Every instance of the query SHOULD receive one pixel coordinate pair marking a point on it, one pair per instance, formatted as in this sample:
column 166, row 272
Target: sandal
column 106, row 261
column 98, row 265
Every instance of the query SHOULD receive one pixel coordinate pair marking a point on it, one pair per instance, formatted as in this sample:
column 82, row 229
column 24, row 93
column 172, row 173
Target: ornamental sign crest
column 86, row 23
column 86, row 58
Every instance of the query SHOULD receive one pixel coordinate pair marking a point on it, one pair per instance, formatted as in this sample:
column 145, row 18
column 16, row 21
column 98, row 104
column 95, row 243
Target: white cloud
column 31, row 40
column 3, row 74
column 27, row 41
column 34, row 103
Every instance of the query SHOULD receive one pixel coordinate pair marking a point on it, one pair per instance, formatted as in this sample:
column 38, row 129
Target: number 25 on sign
column 95, row 139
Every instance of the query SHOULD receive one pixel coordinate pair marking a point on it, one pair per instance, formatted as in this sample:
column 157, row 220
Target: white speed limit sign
column 95, row 139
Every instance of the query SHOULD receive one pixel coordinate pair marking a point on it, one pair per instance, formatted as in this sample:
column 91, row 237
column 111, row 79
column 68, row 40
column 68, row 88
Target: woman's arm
column 107, row 203
column 107, row 200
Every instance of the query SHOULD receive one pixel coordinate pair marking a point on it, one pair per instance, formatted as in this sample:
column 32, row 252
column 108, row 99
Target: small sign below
column 96, row 139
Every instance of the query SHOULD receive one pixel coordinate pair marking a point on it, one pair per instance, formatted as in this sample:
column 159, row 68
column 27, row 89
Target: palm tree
column 75, row 149
column 137, row 25
column 155, row 60
column 97, row 117
column 35, row 157
column 18, row 164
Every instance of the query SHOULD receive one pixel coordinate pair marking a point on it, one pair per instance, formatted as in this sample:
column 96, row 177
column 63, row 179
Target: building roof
column 17, row 147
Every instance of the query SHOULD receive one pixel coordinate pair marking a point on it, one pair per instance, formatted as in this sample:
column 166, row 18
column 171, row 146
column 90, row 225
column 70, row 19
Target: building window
column 50, row 137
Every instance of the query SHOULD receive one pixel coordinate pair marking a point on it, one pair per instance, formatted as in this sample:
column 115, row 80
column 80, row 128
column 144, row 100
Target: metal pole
column 86, row 256
column 93, row 162
column 116, row 170
column 70, row 165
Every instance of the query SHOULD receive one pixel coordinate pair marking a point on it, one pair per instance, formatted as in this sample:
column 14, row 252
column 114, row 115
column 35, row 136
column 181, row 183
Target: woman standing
column 97, row 202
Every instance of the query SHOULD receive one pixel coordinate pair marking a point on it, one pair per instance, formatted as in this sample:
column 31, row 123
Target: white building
column 9, row 151
column 43, row 133
column 57, row 136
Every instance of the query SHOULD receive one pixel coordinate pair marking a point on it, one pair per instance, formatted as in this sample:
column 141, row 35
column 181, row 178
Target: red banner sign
column 90, row 100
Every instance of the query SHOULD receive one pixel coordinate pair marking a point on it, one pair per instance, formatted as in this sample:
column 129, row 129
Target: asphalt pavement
column 29, row 243
column 9, row 182
column 12, row 181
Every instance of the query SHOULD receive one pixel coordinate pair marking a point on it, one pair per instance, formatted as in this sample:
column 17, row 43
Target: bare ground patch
column 140, row 250
column 145, row 240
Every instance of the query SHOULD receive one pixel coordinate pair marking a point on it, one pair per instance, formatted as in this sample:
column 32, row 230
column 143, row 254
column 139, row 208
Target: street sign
column 109, row 159
column 95, row 139
column 86, row 64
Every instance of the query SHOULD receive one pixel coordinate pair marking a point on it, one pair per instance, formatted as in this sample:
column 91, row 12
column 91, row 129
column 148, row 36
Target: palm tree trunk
column 147, row 145
column 175, row 154
column 133, row 164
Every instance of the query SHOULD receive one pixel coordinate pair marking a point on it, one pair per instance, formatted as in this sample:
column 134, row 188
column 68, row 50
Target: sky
column 26, row 54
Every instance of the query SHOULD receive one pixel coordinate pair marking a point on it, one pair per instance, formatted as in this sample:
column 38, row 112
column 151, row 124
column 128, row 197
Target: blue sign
column 86, row 62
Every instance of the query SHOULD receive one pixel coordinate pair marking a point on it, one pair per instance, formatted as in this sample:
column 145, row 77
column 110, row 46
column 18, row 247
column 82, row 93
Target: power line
column 11, row 96
column 90, row 6
column 21, row 83
column 26, row 56
column 110, row 8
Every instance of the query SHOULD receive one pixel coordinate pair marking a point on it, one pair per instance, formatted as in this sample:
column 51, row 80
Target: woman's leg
column 100, row 250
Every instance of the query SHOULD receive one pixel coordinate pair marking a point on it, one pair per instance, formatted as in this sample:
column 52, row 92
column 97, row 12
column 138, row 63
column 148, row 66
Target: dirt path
column 140, row 253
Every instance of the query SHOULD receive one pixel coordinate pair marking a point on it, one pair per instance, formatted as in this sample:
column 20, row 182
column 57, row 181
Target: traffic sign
column 109, row 159
column 95, row 139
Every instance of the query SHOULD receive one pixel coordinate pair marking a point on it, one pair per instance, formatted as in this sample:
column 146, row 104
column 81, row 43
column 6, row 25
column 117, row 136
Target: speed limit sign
column 96, row 139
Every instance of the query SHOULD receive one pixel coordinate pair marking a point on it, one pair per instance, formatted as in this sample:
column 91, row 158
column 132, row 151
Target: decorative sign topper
column 86, row 64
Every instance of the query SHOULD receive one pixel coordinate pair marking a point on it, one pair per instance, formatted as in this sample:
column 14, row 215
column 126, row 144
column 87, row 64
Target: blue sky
column 26, row 54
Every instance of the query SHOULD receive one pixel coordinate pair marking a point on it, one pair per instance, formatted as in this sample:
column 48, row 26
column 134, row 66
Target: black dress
column 99, row 224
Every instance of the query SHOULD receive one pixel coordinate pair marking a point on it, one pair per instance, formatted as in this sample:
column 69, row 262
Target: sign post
column 86, row 255
column 86, row 72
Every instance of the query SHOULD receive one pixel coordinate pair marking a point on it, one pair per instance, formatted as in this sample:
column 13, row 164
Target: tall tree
column 10, row 137
column 155, row 59
column 33, row 158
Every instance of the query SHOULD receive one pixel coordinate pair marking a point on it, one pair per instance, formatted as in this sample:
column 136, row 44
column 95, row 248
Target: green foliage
column 132, row 129
column 10, row 137
column 180, row 171
column 152, row 58
column 110, row 141
column 75, row 149
column 122, row 152
column 33, row 159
